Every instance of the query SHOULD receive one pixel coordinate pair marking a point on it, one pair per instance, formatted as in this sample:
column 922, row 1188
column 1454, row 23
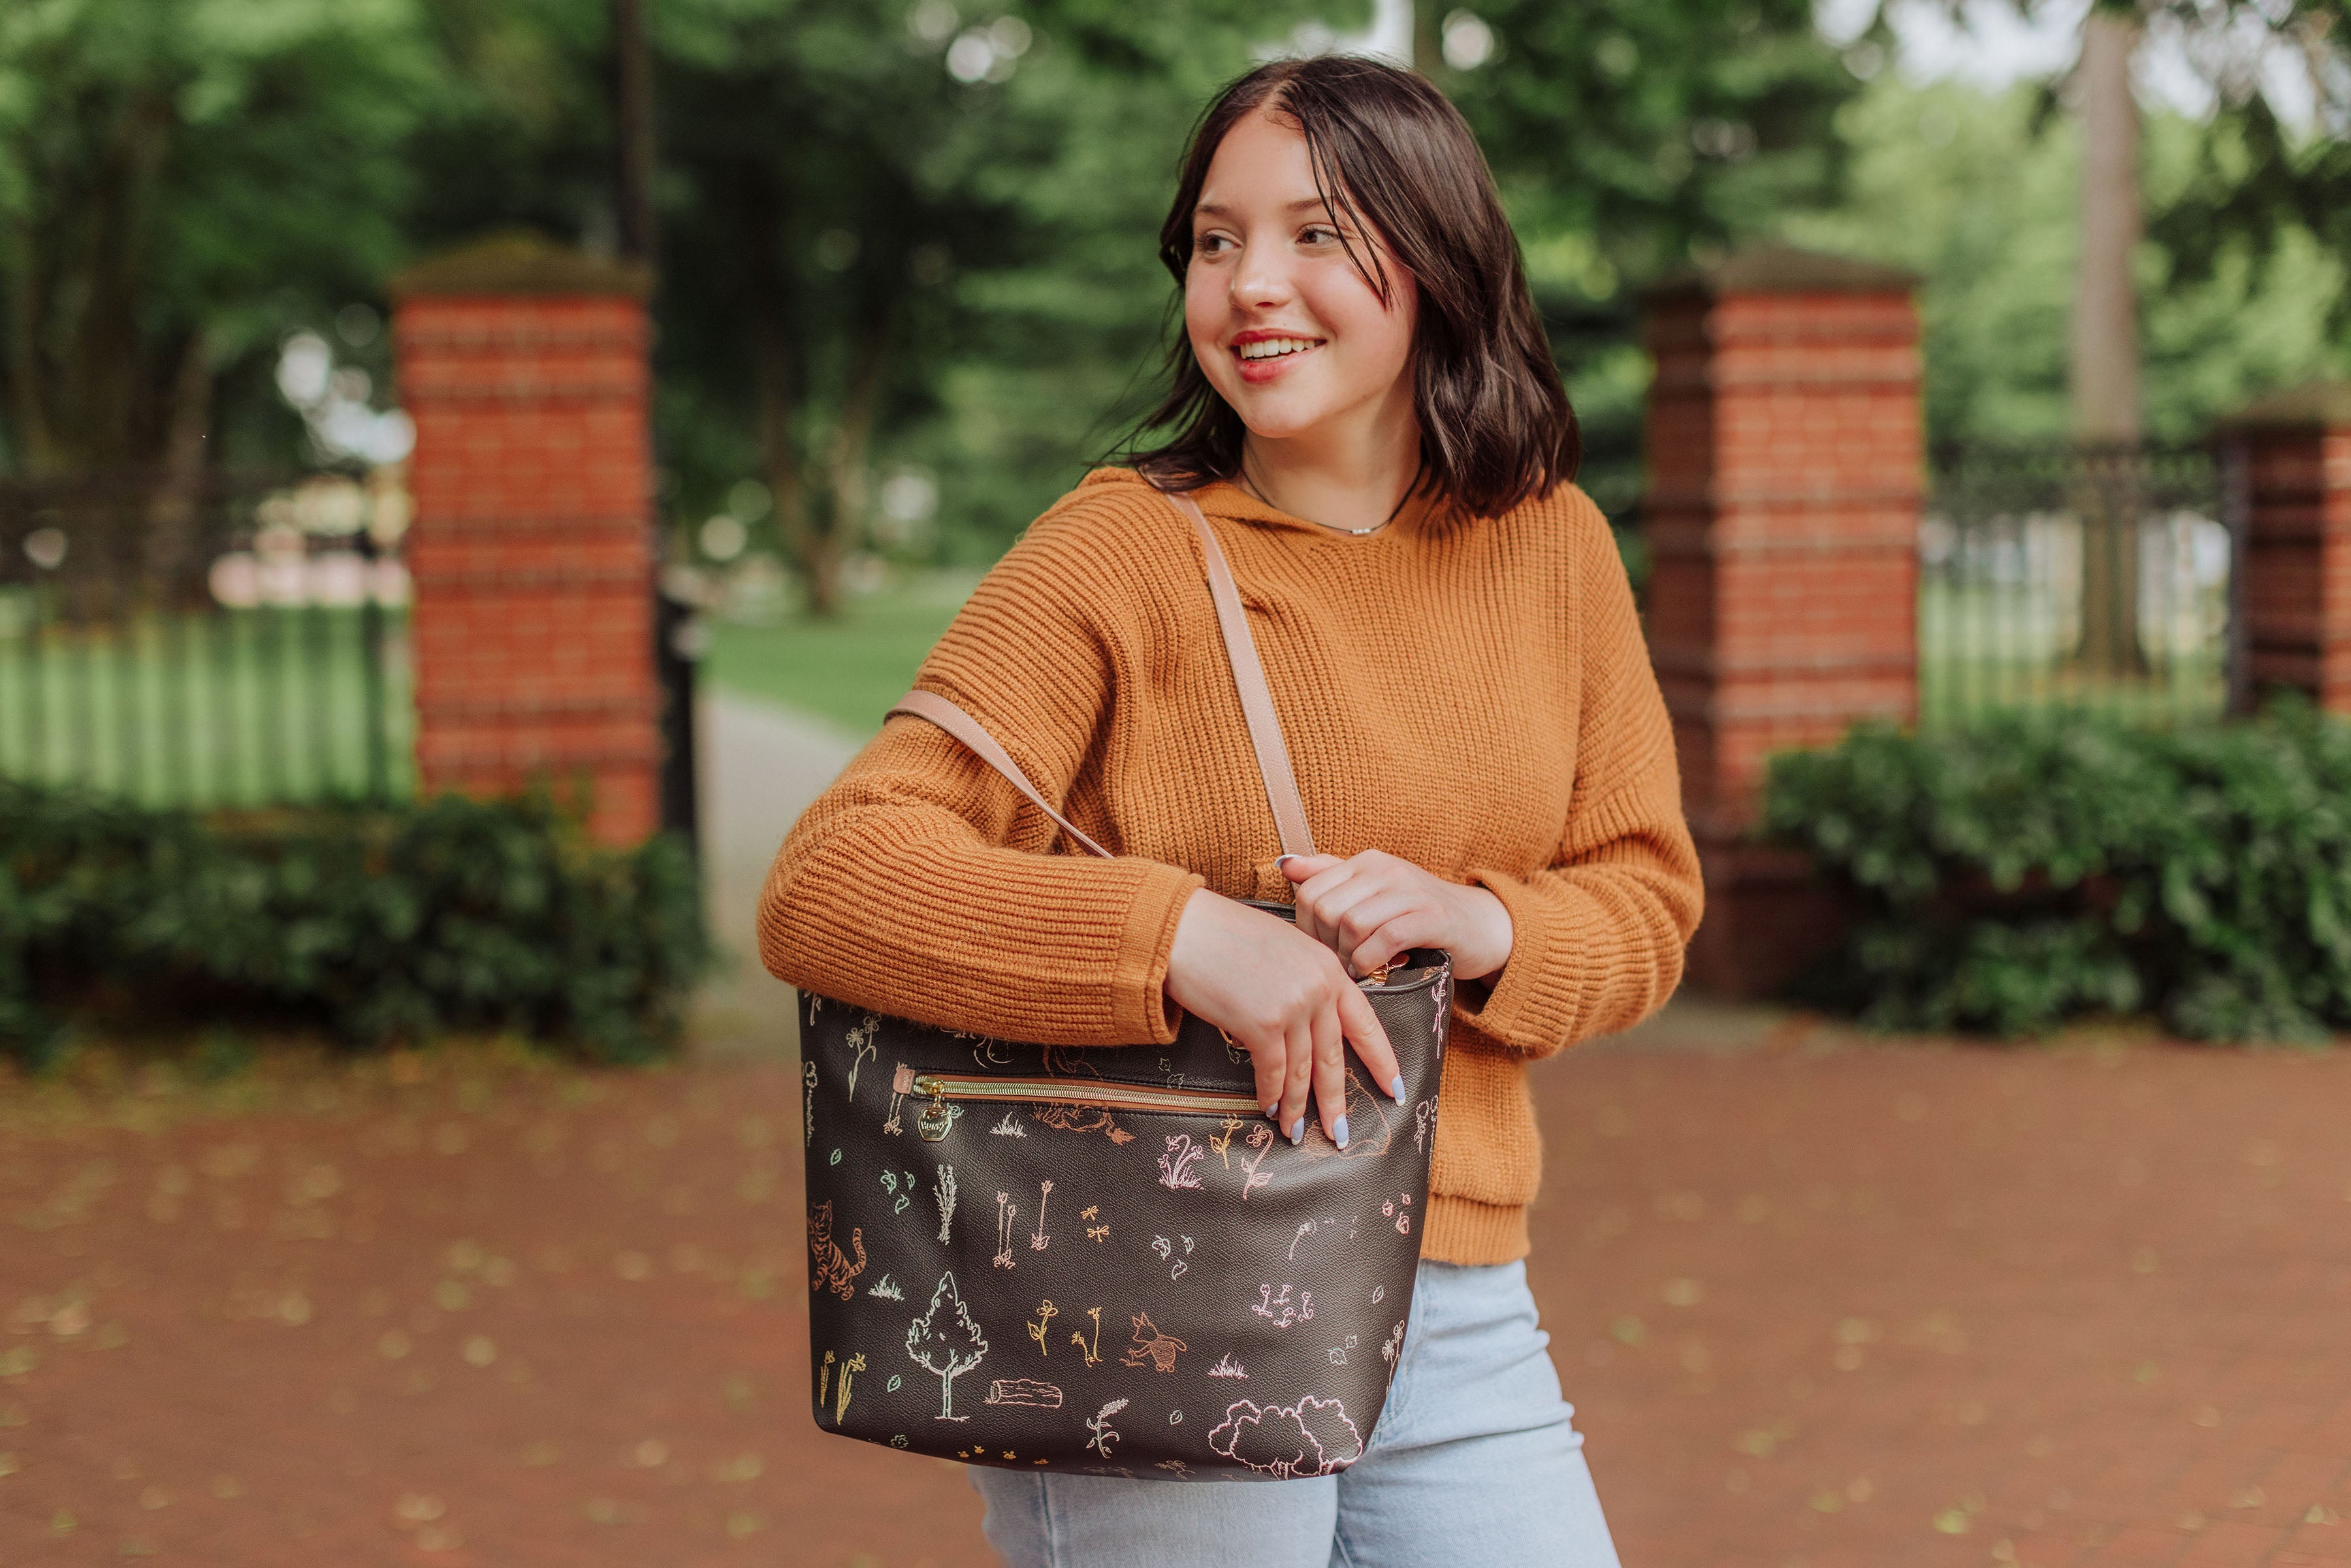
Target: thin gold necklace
column 1334, row 528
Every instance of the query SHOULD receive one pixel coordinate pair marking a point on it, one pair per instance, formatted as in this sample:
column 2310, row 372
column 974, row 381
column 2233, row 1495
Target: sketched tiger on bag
column 832, row 1270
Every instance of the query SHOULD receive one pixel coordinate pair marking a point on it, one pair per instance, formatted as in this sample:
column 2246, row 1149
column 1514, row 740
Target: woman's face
column 1289, row 331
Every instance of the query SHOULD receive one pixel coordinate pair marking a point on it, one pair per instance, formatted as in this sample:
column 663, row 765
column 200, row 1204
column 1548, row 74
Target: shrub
column 2042, row 865
column 377, row 925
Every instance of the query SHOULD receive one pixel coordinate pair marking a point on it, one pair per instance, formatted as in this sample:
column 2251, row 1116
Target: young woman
column 1365, row 406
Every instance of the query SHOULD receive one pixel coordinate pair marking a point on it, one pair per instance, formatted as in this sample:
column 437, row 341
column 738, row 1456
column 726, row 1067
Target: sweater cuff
column 1533, row 1004
column 1463, row 1230
column 1140, row 1007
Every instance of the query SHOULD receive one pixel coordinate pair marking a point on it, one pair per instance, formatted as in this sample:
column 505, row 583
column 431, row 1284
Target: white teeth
column 1273, row 348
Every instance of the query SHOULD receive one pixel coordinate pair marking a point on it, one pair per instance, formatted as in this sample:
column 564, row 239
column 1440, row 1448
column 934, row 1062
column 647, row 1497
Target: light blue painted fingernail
column 1339, row 1131
column 1273, row 1112
column 1395, row 1088
column 1297, row 1131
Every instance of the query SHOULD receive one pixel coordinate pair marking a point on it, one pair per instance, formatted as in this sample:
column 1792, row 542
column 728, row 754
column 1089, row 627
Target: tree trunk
column 2105, row 366
column 632, row 107
column 27, row 389
column 174, row 516
column 1427, row 42
column 104, row 372
column 776, row 373
column 852, row 436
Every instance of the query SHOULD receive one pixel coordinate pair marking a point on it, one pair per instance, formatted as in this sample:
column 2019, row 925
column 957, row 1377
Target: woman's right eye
column 1208, row 245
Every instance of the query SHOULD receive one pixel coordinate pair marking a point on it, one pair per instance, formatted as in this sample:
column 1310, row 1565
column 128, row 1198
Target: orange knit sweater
column 1472, row 695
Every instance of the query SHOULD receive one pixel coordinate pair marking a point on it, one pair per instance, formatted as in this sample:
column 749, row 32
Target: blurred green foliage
column 872, row 269
column 866, row 263
column 376, row 926
column 182, row 181
column 2045, row 865
column 1977, row 193
column 1631, row 139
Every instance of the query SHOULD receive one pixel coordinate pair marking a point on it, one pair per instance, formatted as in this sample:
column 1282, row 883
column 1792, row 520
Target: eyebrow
column 1215, row 209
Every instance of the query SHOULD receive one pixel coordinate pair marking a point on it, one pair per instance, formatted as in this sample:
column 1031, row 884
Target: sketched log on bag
column 1024, row 1391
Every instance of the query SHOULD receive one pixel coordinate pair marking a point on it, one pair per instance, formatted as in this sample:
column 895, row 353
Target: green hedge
column 2039, row 866
column 378, row 926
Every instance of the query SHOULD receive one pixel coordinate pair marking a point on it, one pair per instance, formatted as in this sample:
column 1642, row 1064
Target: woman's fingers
column 1363, row 1028
column 1390, row 940
column 1322, row 876
column 1354, row 934
column 1270, row 1064
column 1299, row 1079
column 1331, row 1073
column 1335, row 912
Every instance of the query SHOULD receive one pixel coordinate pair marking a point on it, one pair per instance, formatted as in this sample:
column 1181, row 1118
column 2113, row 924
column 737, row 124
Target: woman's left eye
column 1318, row 235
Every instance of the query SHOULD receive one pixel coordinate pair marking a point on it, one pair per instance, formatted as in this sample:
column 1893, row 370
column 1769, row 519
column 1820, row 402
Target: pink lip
column 1255, row 372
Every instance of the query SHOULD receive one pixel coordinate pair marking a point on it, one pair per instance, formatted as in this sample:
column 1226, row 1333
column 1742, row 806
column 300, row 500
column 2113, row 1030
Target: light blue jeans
column 1474, row 1464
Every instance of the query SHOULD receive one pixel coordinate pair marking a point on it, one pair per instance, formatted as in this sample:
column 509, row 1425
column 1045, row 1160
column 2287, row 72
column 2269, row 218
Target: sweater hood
column 1223, row 498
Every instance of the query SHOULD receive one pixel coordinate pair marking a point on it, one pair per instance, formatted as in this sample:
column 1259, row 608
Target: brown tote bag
column 1103, row 1258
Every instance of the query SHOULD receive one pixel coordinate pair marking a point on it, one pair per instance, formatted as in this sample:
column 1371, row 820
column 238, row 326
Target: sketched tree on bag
column 946, row 1343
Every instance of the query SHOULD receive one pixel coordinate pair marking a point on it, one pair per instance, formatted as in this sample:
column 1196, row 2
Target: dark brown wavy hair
column 1390, row 153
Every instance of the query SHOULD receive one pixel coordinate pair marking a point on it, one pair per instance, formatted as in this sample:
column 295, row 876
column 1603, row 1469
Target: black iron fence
column 230, row 640
column 2097, row 577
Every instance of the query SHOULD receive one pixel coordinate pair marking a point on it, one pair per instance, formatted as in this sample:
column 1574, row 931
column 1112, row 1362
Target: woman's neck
column 1354, row 477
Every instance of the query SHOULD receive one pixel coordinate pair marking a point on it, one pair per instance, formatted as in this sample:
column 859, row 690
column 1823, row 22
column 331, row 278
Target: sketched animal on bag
column 1151, row 1346
column 834, row 1271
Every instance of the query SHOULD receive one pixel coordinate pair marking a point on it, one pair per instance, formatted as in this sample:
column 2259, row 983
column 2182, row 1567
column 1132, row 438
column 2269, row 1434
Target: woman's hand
column 1282, row 995
column 1370, row 907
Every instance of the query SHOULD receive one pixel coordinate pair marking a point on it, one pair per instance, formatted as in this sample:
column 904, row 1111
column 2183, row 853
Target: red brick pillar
column 2294, row 467
column 524, row 369
column 1786, row 472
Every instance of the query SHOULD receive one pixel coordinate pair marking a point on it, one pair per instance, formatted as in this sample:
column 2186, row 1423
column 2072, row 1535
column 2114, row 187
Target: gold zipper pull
column 933, row 1121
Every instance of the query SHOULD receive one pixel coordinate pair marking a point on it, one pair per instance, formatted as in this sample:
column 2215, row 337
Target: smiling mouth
column 1274, row 349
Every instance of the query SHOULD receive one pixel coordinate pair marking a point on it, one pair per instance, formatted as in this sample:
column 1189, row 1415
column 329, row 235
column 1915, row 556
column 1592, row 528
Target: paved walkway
column 758, row 766
column 1819, row 1302
column 1861, row 1305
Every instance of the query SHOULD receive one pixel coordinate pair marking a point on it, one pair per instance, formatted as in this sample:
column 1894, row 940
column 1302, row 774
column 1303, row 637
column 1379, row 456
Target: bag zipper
column 941, row 1088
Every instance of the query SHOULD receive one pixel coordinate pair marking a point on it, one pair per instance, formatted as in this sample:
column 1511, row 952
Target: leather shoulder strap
column 1249, row 677
column 968, row 730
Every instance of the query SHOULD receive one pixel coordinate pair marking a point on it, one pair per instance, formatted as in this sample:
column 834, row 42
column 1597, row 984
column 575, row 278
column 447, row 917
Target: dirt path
column 1845, row 1306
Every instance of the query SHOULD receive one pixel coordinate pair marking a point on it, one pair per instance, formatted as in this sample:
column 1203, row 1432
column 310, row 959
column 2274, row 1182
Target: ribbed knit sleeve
column 1599, row 935
column 922, row 883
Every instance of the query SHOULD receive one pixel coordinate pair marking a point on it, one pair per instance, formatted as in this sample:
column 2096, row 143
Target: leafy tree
column 1630, row 138
column 2231, row 43
column 2103, row 326
column 179, row 183
column 2259, row 186
column 945, row 1341
column 863, row 251
column 1975, row 191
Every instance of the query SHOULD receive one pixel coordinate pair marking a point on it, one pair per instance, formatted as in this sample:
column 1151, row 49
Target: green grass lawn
column 848, row 670
column 240, row 709
column 1978, row 652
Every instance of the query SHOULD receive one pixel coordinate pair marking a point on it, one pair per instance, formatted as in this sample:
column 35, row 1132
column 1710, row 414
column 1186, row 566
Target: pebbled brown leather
column 1111, row 1292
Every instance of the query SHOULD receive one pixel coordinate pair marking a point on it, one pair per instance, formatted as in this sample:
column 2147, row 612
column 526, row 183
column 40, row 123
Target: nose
column 1261, row 280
